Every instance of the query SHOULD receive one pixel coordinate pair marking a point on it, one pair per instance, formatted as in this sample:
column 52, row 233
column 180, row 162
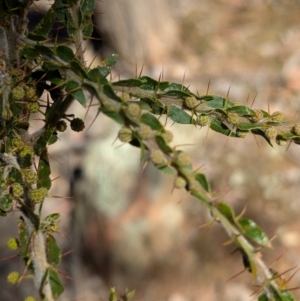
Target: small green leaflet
column 75, row 90
column 53, row 250
column 56, row 285
column 42, row 142
column 44, row 172
column 226, row 211
column 52, row 217
column 163, row 145
column 217, row 126
column 178, row 115
column 65, row 53
column 152, row 121
column 200, row 177
column 43, row 28
column 254, row 232
column 6, row 202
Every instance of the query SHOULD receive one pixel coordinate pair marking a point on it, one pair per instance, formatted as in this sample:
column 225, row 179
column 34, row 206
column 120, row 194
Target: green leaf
column 65, row 53
column 128, row 83
column 163, row 145
column 167, row 170
column 41, row 143
column 263, row 297
column 241, row 110
column 112, row 295
column 87, row 29
column 47, row 52
column 25, row 162
column 287, row 136
column 286, row 296
column 56, row 285
column 200, row 177
column 15, row 175
column 108, row 91
column 177, row 94
column 108, row 64
column 42, row 29
column 216, row 102
column 53, row 251
column 148, row 83
column 261, row 133
column 44, row 172
column 254, row 232
column 114, row 116
column 52, row 217
column 30, row 53
column 50, row 66
column 75, row 90
column 6, row 202
column 88, row 6
column 152, row 121
column 249, row 126
column 78, row 69
column 71, row 26
column 53, row 139
column 217, row 126
column 130, row 295
column 226, row 210
column 23, row 238
column 174, row 87
column 97, row 76
column 178, row 115
column 104, row 71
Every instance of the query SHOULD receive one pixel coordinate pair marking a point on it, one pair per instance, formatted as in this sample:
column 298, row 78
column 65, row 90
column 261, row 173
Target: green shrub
column 31, row 66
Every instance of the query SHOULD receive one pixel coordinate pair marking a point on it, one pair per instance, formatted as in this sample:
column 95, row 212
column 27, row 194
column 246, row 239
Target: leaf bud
column 241, row 133
column 61, row 126
column 17, row 93
column 12, row 243
column 38, row 195
column 134, row 110
column 30, row 93
column 190, row 102
column 17, row 189
column 30, row 177
column 145, row 131
column 179, row 182
column 77, row 125
column 281, row 141
column 257, row 115
column 125, row 134
column 26, row 150
column 296, row 129
column 233, row 117
column 157, row 156
column 168, row 136
column 203, row 120
column 271, row 133
column 13, row 277
column 29, row 298
column 18, row 143
column 183, row 159
column 33, row 107
column 277, row 117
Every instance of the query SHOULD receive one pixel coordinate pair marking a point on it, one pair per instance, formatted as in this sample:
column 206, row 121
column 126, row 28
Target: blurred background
column 123, row 224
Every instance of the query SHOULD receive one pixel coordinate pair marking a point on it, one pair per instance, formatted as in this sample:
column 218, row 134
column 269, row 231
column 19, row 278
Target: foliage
column 31, row 66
